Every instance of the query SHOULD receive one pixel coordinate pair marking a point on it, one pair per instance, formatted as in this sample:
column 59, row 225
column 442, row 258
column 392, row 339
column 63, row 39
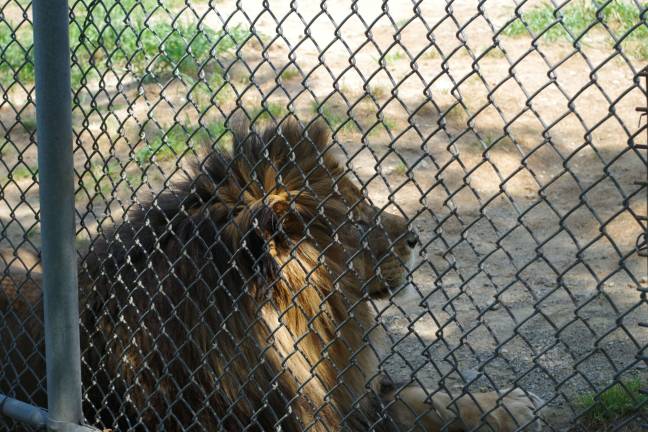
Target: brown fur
column 22, row 367
column 237, row 300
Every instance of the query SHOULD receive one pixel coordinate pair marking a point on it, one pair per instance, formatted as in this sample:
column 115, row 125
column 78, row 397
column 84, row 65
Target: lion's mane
column 231, row 300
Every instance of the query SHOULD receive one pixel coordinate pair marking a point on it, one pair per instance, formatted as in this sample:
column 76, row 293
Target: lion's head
column 389, row 246
column 238, row 297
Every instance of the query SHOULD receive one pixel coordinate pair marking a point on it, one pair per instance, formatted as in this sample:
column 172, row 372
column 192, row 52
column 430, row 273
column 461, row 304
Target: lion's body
column 237, row 300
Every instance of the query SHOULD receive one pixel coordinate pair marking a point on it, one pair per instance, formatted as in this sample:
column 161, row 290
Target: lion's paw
column 517, row 411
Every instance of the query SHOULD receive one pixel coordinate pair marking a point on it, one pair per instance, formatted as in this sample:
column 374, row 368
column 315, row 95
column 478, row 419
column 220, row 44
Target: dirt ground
column 513, row 164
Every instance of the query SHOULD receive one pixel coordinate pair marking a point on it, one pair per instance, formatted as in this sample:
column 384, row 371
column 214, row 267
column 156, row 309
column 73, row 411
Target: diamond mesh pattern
column 505, row 132
column 21, row 319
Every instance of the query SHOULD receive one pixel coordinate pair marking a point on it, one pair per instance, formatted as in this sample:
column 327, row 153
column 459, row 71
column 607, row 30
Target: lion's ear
column 315, row 135
column 318, row 133
column 239, row 124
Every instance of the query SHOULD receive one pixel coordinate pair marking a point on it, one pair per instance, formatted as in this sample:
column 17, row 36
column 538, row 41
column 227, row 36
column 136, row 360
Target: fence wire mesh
column 504, row 134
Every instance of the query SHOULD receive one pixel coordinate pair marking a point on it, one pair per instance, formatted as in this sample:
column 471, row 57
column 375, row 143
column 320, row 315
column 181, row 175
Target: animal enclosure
column 508, row 134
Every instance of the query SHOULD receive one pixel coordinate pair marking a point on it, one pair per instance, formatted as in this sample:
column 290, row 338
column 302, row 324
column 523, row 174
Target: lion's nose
column 412, row 239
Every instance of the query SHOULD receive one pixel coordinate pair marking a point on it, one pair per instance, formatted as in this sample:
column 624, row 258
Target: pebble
column 470, row 374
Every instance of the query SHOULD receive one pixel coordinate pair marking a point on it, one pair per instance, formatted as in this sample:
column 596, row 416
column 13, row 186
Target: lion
column 239, row 299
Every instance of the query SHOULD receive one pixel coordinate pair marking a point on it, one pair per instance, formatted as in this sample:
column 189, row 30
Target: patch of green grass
column 29, row 123
column 401, row 23
column 214, row 129
column 5, row 148
column 385, row 126
column 346, row 89
column 495, row 143
column 201, row 96
column 218, row 91
column 333, row 115
column 368, row 108
column 394, row 56
column 389, row 123
column 16, row 54
column 100, row 177
column 272, row 111
column 615, row 403
column 22, row 172
column 161, row 48
column 289, row 73
column 121, row 37
column 455, row 115
column 378, row 91
column 619, row 15
column 32, row 232
column 216, row 81
column 112, row 106
column 173, row 143
column 636, row 47
column 214, row 132
column 400, row 168
column 492, row 52
column 489, row 140
column 134, row 179
column 431, row 54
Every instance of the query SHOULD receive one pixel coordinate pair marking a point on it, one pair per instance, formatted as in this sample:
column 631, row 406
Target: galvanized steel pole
column 24, row 413
column 56, row 173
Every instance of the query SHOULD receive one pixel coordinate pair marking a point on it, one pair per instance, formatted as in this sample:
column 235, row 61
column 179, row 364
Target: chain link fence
column 506, row 134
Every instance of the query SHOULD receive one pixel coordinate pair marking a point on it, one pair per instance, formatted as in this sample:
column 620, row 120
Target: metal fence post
column 56, row 173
